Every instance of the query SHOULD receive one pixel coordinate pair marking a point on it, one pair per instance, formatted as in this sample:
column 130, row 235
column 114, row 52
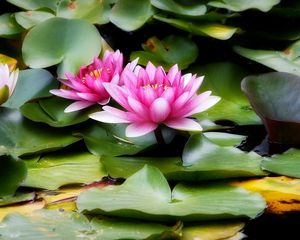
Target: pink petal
column 151, row 69
column 168, row 94
column 107, row 117
column 140, row 129
column 186, row 79
column 159, row 110
column 131, row 117
column 204, row 105
column 130, row 66
column 4, row 74
column 194, row 85
column 89, row 97
column 159, row 76
column 78, row 106
column 118, row 94
column 65, row 94
column 180, row 101
column 184, row 124
column 138, row 107
column 172, row 73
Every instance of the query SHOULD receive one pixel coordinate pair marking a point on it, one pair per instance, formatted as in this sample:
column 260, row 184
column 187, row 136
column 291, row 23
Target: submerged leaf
column 147, row 195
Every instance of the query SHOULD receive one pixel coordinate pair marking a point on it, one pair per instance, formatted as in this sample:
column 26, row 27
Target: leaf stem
column 159, row 137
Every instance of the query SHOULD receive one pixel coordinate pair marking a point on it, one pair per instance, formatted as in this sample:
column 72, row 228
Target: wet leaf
column 32, row 83
column 147, row 195
column 31, row 18
column 214, row 30
column 275, row 98
column 55, row 170
column 129, row 15
column 168, row 52
column 178, row 8
column 51, row 112
column 93, row 11
column 20, row 136
column 49, row 43
column 9, row 26
column 226, row 83
column 12, row 173
column 281, row 193
column 242, row 5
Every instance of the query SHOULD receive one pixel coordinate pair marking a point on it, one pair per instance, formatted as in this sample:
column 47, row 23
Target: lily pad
column 31, row 18
column 242, row 5
column 12, row 173
column 147, row 195
column 35, row 4
column 226, row 83
column 51, row 112
column 275, row 98
column 178, row 8
column 171, row 50
column 17, row 198
column 129, row 15
column 214, row 30
column 52, row 171
column 287, row 164
column 20, row 136
column 32, row 83
column 55, row 225
column 110, row 139
column 9, row 26
column 49, row 43
column 281, row 61
column 202, row 159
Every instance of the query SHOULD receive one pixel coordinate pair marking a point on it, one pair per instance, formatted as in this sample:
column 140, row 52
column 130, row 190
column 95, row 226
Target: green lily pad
column 275, row 98
column 32, row 83
column 55, row 225
column 35, row 4
column 17, row 198
column 93, row 11
column 129, row 15
column 178, row 8
column 9, row 26
column 12, row 173
column 226, row 83
column 214, row 30
column 287, row 164
column 147, row 195
column 242, row 5
column 31, row 18
column 49, row 43
column 171, row 50
column 202, row 159
column 110, row 139
column 20, row 136
column 55, row 170
column 51, row 112
column 281, row 61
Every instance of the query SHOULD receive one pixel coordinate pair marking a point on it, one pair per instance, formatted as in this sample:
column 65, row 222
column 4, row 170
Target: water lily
column 8, row 81
column 151, row 97
column 87, row 86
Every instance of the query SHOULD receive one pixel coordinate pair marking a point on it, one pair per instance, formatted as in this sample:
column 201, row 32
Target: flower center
column 96, row 73
column 156, row 86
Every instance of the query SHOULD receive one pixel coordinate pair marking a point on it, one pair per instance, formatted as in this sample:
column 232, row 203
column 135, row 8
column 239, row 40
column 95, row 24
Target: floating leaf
column 31, row 18
column 32, row 83
column 242, row 5
column 214, row 30
column 35, row 4
column 55, row 170
column 21, row 209
column 226, row 83
column 12, row 173
column 49, row 43
column 48, row 224
column 178, row 8
column 20, row 136
column 93, row 11
column 285, row 61
column 281, row 193
column 275, row 98
column 171, row 50
column 51, row 111
column 147, row 195
column 130, row 15
column 202, row 159
column 284, row 164
column 17, row 198
column 9, row 26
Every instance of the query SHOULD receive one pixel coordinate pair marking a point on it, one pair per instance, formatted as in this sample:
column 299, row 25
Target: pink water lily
column 151, row 97
column 87, row 86
column 8, row 81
